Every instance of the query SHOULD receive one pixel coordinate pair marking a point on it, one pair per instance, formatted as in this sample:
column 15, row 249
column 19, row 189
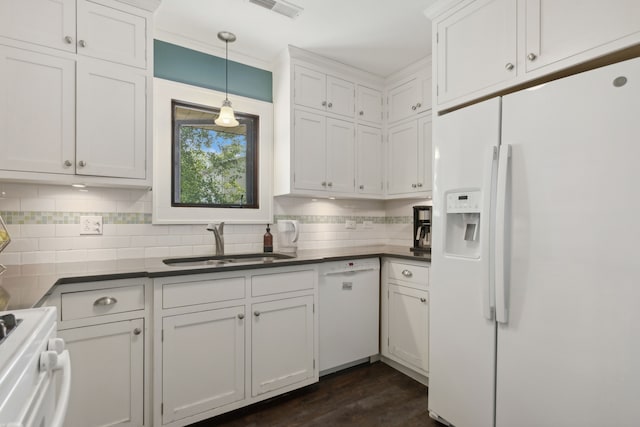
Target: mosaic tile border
column 44, row 217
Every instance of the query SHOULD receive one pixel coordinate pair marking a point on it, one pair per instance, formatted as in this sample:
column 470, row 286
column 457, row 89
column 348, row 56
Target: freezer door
column 569, row 354
column 462, row 329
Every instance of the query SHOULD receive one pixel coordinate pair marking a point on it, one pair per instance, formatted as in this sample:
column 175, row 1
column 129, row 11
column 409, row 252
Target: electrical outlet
column 367, row 224
column 350, row 224
column 90, row 225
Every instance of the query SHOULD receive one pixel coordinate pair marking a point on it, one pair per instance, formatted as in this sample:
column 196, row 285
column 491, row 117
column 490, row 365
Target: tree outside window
column 213, row 166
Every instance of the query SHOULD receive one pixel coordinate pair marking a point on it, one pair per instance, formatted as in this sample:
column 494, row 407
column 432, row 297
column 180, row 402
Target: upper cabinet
column 369, row 105
column 323, row 92
column 74, row 80
column 410, row 97
column 484, row 47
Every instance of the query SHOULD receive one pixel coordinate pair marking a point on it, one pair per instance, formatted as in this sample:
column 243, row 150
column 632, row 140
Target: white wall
column 43, row 221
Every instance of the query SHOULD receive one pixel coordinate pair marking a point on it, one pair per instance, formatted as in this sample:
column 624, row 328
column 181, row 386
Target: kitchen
column 41, row 236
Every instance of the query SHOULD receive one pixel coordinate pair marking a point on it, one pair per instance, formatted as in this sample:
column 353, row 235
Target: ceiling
column 379, row 36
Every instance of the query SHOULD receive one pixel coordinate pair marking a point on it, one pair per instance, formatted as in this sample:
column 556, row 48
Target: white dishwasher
column 348, row 311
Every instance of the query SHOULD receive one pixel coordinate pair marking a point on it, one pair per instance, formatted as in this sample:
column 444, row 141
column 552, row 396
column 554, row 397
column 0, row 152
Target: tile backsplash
column 44, row 224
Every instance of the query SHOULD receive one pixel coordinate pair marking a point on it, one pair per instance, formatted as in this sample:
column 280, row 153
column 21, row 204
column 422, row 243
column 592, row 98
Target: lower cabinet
column 104, row 325
column 227, row 340
column 107, row 381
column 405, row 316
column 202, row 361
column 282, row 343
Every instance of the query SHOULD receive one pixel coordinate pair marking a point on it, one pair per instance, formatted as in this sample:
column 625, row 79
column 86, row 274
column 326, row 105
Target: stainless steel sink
column 222, row 260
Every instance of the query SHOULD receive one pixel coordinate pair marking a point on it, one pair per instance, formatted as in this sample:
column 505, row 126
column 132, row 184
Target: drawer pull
column 423, row 299
column 137, row 331
column 105, row 301
column 407, row 273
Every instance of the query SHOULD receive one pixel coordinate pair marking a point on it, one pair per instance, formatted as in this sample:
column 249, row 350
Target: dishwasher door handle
column 357, row 270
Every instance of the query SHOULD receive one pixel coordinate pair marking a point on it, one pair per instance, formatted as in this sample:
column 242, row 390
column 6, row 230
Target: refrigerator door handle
column 504, row 161
column 488, row 291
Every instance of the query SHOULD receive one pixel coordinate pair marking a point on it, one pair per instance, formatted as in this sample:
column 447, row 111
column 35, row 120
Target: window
column 213, row 166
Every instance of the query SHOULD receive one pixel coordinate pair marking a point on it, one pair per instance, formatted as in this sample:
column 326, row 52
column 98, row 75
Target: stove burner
column 8, row 323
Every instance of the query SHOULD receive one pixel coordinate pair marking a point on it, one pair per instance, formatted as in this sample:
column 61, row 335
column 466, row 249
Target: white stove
column 30, row 358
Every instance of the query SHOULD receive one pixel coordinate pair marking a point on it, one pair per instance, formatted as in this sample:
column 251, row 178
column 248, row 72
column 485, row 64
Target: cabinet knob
column 413, row 186
column 330, row 105
column 509, row 66
column 82, row 163
column 407, row 273
column 361, row 113
column 418, row 105
column 256, row 313
column 105, row 301
column 362, row 187
column 137, row 331
column 82, row 43
column 414, row 108
column 67, row 163
column 324, row 184
column 324, row 103
column 419, row 184
column 423, row 300
column 532, row 57
column 241, row 316
column 330, row 184
column 68, row 39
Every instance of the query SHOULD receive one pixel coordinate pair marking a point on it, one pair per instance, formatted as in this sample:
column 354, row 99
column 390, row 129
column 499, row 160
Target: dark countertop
column 29, row 284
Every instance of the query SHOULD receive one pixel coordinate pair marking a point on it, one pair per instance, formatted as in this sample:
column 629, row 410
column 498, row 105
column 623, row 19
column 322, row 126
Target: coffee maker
column 421, row 229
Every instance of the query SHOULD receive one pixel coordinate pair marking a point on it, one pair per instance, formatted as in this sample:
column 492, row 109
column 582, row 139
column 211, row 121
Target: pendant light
column 226, row 118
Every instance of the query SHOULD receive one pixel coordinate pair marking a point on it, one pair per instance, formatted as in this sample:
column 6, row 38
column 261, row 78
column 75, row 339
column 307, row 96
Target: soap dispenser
column 267, row 241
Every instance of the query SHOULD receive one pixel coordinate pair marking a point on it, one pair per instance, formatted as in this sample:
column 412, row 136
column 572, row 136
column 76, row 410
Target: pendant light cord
column 226, row 71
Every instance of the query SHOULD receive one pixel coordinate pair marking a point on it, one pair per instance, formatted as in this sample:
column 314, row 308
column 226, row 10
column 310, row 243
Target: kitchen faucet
column 218, row 233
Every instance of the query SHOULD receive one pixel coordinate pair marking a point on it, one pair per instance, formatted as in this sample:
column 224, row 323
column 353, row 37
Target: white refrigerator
column 535, row 289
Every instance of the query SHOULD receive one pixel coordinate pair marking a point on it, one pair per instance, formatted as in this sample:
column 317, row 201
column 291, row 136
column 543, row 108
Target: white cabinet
column 409, row 98
column 324, row 155
column 369, row 105
column 409, row 157
column 227, row 340
column 484, row 47
column 476, row 48
column 405, row 316
column 104, row 325
column 323, row 92
column 370, row 165
column 202, row 361
column 107, row 384
column 283, row 341
column 74, row 86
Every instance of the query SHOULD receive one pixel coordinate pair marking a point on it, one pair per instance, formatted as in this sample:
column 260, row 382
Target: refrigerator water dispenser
column 463, row 224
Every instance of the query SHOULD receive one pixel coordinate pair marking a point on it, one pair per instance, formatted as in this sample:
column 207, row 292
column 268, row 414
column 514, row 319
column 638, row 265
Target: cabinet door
column 202, row 361
column 282, row 340
column 402, row 101
column 369, row 105
column 37, row 112
column 409, row 326
column 107, row 381
column 556, row 30
column 401, row 158
column 341, row 96
column 111, row 34
column 310, row 88
column 369, row 164
column 340, row 156
column 50, row 23
column 310, row 157
column 111, row 120
column 425, row 178
column 476, row 48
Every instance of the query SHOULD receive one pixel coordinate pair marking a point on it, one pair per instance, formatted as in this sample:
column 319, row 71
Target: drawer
column 409, row 273
column 80, row 305
column 202, row 292
column 266, row 284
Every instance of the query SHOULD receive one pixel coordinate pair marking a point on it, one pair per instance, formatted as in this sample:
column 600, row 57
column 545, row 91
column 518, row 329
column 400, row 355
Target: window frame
column 252, row 156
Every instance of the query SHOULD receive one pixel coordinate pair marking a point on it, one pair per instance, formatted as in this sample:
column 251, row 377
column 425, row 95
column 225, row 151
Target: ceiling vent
column 279, row 6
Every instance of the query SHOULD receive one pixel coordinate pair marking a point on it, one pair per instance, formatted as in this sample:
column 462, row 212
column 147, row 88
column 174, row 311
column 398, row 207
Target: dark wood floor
column 366, row 395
